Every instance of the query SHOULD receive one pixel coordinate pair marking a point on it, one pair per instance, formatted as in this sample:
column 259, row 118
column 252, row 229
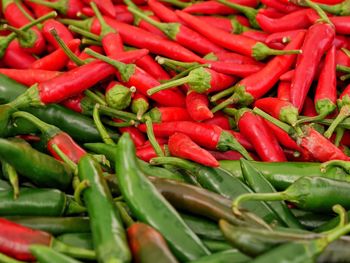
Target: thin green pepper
column 81, row 240
column 109, row 237
column 283, row 174
column 216, row 245
column 261, row 185
column 148, row 205
column 221, row 182
column 41, row 169
column 231, row 255
column 48, row 255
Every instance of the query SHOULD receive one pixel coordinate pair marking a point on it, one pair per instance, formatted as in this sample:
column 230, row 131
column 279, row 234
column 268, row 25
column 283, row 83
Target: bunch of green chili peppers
column 107, row 205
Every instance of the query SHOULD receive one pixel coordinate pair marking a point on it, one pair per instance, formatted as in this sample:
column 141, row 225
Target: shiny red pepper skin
column 307, row 63
column 167, row 114
column 283, row 90
column 216, row 8
column 105, row 6
column 61, row 30
column 16, row 240
column 16, row 57
column 197, row 106
column 224, row 23
column 228, row 155
column 180, row 145
column 137, row 137
column 57, row 59
column 163, row 12
column 146, row 153
column 38, row 10
column 239, row 70
column 264, row 142
column 148, row 64
column 220, row 120
column 320, row 147
column 309, row 108
column 236, row 58
column 14, row 15
column 282, row 6
column 112, row 43
column 271, row 12
column 29, row 77
column 67, row 145
column 283, row 37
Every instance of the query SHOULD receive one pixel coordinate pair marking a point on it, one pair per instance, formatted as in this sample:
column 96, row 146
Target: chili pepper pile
column 174, row 131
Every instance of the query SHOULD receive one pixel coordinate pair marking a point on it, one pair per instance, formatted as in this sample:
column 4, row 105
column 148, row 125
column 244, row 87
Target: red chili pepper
column 228, row 155
column 236, row 58
column 137, row 37
column 29, row 77
column 340, row 42
column 256, row 35
column 39, row 10
column 142, row 81
column 292, row 21
column 226, row 24
column 148, row 64
column 69, row 8
column 146, row 153
column 17, row 58
column 237, row 43
column 201, row 80
column 137, row 137
column 206, row 135
column 283, row 37
column 271, row 12
column 309, row 108
column 264, row 142
column 123, row 15
column 282, row 6
column 197, row 106
column 341, row 24
column 258, row 84
column 168, row 114
column 215, row 8
column 75, row 103
column 180, row 145
column 162, row 11
column 61, row 30
column 57, row 59
column 14, row 15
column 242, row 140
column 279, row 109
column 288, row 76
column 305, row 70
column 239, row 70
column 139, row 104
column 283, row 90
column 106, row 7
column 220, row 120
column 181, row 34
column 326, row 91
column 341, row 58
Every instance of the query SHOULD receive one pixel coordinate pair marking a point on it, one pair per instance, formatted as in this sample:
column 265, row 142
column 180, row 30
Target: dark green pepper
column 221, row 182
column 231, row 255
column 261, row 185
column 216, row 245
column 148, row 205
column 109, row 237
column 80, row 127
column 283, row 174
column 81, row 240
column 41, row 169
column 45, row 254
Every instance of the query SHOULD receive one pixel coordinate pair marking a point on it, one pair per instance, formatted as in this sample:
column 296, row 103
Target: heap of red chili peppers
column 135, row 130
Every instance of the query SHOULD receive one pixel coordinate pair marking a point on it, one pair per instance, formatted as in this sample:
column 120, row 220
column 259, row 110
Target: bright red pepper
column 146, row 153
column 29, row 77
column 282, row 6
column 137, row 137
column 216, row 8
column 61, row 30
column 70, row 8
column 283, row 37
column 197, row 106
column 106, row 7
column 226, row 24
column 271, row 12
column 168, row 114
column 236, row 58
column 220, row 120
column 283, row 90
column 148, row 64
column 14, row 15
column 16, row 57
column 38, row 10
column 239, row 70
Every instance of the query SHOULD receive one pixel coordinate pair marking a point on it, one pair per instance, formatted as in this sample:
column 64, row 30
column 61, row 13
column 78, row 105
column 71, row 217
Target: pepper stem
column 152, row 138
column 171, row 62
column 117, row 113
column 343, row 217
column 23, row 11
column 338, row 231
column 341, row 9
column 342, row 68
column 79, row 189
column 101, row 129
column 60, row 5
column 105, row 28
column 119, row 124
column 126, row 218
column 343, row 114
column 312, row 119
column 260, row 51
column 319, row 11
column 75, row 252
column 65, row 158
column 287, row 128
column 90, row 42
column 278, row 196
column 339, row 135
column 91, row 95
column 66, row 49
column 177, row 3
column 346, row 51
column 74, row 208
column 338, row 163
column 249, row 12
column 184, row 164
column 228, row 142
column 234, row 98
column 168, row 85
column 84, row 33
column 83, row 24
column 11, row 174
column 222, row 94
column 125, row 70
column 345, row 77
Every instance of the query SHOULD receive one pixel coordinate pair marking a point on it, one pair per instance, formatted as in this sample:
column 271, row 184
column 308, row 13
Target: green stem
column 260, row 51
column 60, row 5
column 83, row 185
column 168, row 85
column 249, row 12
column 343, row 114
column 231, row 100
column 168, row 61
column 101, row 129
column 339, row 135
column 177, row 3
column 338, row 163
column 346, row 51
column 186, row 72
column 345, row 77
column 319, row 11
column 184, row 164
column 222, row 94
column 312, row 119
column 20, row 33
column 278, row 196
column 74, row 252
column 287, row 128
column 117, row 113
column 89, row 42
column 126, row 218
column 6, row 259
column 94, row 97
column 84, row 33
column 125, row 70
column 102, row 159
column 43, row 18
column 105, row 28
column 343, row 215
column 338, row 232
column 342, row 68
column 341, row 9
column 119, row 124
column 66, row 49
column 11, row 174
column 150, row 134
column 65, row 158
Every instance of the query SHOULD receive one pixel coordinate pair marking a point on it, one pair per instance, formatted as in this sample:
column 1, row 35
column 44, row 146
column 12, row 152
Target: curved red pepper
column 106, row 7
column 146, row 153
column 14, row 15
column 16, row 57
column 148, row 64
column 239, row 70
column 216, row 8
column 283, row 90
column 29, row 77
column 61, row 30
column 168, row 114
column 220, row 120
column 197, row 106
column 224, row 23
column 282, row 6
column 162, row 11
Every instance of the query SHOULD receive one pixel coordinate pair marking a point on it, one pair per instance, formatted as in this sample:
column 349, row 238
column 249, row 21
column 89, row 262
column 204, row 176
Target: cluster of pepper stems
column 137, row 130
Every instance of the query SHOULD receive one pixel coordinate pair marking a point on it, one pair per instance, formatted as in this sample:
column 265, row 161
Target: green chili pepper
column 81, row 240
column 110, row 153
column 317, row 194
column 37, row 202
column 302, row 251
column 54, row 225
column 283, row 174
column 41, row 169
column 11, row 175
column 204, row 228
column 198, row 201
column 108, row 234
column 80, row 127
column 221, row 182
column 48, row 255
column 231, row 255
column 261, row 185
column 310, row 220
column 330, row 224
column 4, row 185
column 147, row 204
column 216, row 245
